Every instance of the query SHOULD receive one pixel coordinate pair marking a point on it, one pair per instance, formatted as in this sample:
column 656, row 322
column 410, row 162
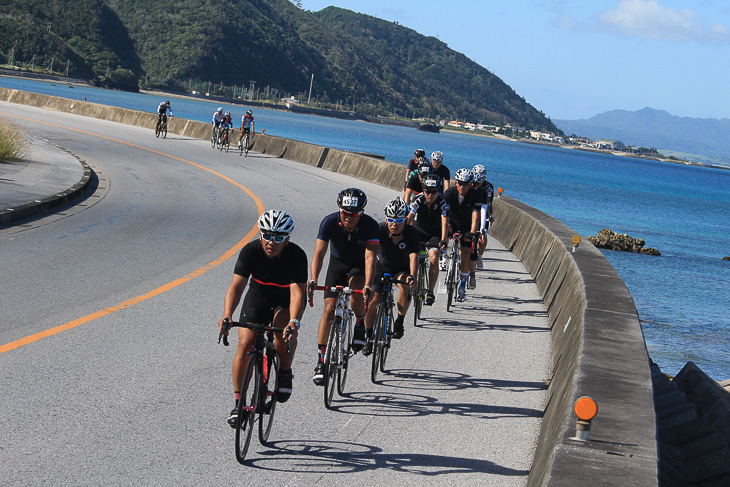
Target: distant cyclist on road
column 162, row 109
column 437, row 162
column 216, row 121
column 277, row 269
column 486, row 190
column 227, row 124
column 465, row 208
column 353, row 239
column 247, row 125
column 397, row 256
column 414, row 186
column 420, row 156
column 430, row 216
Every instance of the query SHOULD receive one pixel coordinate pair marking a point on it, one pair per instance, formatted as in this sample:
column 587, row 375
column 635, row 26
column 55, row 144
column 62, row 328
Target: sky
column 573, row 59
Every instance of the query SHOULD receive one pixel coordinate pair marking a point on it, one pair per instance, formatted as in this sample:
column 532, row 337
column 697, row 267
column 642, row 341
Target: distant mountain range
column 704, row 140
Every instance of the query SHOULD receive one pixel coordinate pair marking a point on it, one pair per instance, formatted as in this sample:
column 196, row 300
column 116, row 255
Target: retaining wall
column 598, row 348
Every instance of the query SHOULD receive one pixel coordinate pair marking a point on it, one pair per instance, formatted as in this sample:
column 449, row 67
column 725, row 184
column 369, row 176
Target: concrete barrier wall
column 598, row 348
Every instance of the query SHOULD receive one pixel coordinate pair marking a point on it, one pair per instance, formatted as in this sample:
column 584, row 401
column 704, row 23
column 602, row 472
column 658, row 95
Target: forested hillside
column 359, row 61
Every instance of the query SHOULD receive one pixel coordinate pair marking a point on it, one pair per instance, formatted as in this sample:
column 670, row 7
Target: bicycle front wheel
column 345, row 347
column 247, row 408
column 164, row 131
column 330, row 362
column 387, row 333
column 245, row 147
column 268, row 396
column 451, row 279
column 157, row 131
column 420, row 293
column 378, row 340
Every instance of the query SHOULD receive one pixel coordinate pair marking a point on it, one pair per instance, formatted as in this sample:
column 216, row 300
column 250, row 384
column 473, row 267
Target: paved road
column 136, row 390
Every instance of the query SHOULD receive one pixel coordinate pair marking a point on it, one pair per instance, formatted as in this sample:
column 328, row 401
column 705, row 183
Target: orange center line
column 155, row 292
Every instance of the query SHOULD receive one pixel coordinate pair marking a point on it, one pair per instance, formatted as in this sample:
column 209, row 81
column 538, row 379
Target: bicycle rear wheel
column 330, row 362
column 268, row 396
column 346, row 347
column 378, row 341
column 246, row 408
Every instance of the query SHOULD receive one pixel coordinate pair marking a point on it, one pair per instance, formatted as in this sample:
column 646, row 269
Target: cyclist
column 397, row 256
column 247, row 125
column 420, row 155
column 226, row 124
column 464, row 218
column 355, row 238
column 216, row 121
column 430, row 216
column 486, row 190
column 277, row 270
column 414, row 186
column 437, row 162
column 162, row 109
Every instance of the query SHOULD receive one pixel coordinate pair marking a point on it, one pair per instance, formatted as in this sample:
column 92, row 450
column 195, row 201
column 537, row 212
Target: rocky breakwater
column 608, row 239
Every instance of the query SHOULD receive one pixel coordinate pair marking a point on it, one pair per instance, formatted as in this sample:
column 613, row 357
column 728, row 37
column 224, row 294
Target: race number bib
column 349, row 201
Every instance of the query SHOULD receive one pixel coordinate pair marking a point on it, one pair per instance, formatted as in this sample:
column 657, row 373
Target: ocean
column 682, row 296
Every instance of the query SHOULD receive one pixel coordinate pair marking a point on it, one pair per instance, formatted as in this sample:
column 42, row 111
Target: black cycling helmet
column 420, row 153
column 352, row 200
column 425, row 167
column 249, row 112
column 167, row 103
column 431, row 181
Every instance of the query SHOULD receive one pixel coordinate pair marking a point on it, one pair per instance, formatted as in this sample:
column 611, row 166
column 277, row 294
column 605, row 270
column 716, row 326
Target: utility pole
column 310, row 89
column 68, row 62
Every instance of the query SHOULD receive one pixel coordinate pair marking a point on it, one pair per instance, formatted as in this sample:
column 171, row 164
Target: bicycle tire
column 213, row 139
column 420, row 294
column 378, row 341
column 330, row 362
column 245, row 147
column 271, row 382
column 247, row 401
column 451, row 285
column 346, row 345
column 228, row 145
column 387, row 333
column 240, row 147
column 164, row 131
column 157, row 131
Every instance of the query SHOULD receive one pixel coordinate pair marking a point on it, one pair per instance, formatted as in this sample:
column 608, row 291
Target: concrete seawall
column 598, row 348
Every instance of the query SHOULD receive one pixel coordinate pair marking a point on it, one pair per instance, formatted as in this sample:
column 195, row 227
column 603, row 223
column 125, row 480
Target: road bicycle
column 258, row 387
column 453, row 269
column 383, row 329
column 419, row 295
column 225, row 141
column 216, row 137
column 339, row 343
column 243, row 145
column 161, row 128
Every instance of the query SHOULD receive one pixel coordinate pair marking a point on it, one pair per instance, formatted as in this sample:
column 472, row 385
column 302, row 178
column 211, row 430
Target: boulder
column 608, row 239
column 726, row 258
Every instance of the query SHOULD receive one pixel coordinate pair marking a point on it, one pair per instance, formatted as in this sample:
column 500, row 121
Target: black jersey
column 461, row 211
column 280, row 271
column 393, row 256
column 444, row 173
column 428, row 220
column 486, row 195
column 347, row 247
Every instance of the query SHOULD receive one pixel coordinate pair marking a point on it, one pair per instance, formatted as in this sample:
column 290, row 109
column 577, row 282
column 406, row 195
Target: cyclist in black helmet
column 354, row 239
column 162, row 109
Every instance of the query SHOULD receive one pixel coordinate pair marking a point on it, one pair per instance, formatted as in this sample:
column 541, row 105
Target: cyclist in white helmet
column 216, row 121
column 397, row 256
column 486, row 190
column 277, row 271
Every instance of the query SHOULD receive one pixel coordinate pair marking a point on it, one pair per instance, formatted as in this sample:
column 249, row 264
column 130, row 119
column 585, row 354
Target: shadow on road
column 343, row 457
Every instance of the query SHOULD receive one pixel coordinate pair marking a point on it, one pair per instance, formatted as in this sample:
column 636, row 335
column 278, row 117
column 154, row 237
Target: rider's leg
column 433, row 270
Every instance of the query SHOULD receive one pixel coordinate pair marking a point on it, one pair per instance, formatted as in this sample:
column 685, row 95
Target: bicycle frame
column 383, row 326
column 454, row 269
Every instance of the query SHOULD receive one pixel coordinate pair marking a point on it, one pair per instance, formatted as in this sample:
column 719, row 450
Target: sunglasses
column 430, row 191
column 352, row 214
column 277, row 238
column 462, row 184
column 396, row 220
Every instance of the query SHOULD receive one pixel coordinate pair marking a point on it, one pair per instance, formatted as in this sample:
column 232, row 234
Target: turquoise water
column 683, row 211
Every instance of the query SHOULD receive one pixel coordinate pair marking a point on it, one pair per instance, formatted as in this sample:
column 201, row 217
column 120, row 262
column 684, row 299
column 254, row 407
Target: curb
column 11, row 215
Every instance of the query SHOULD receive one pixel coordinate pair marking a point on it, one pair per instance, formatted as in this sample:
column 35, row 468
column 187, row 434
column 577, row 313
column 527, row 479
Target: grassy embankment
column 13, row 143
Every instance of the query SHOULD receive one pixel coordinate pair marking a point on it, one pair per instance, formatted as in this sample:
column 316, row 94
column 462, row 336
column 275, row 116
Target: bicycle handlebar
column 227, row 324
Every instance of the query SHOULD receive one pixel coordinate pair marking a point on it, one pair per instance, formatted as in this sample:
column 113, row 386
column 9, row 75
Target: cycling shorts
column 260, row 306
column 339, row 274
column 246, row 130
column 380, row 271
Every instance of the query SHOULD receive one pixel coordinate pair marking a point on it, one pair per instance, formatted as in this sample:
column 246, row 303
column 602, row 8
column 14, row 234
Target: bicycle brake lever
column 222, row 333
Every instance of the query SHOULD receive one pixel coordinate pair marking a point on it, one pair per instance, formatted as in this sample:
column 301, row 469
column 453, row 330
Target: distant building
column 610, row 144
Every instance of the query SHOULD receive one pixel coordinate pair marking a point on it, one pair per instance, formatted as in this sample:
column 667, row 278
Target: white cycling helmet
column 464, row 175
column 276, row 221
column 479, row 172
column 220, row 109
column 396, row 208
column 437, row 156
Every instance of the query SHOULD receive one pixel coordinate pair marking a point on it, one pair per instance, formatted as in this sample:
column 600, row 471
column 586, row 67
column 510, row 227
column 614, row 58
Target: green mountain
column 356, row 60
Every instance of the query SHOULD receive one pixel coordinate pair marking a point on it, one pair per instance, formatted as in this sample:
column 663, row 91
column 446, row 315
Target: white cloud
column 648, row 18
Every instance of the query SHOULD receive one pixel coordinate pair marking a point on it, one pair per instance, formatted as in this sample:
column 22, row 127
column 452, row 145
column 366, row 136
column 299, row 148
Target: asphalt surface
column 129, row 385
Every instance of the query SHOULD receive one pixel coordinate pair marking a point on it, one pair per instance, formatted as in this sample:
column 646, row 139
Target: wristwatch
column 296, row 323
